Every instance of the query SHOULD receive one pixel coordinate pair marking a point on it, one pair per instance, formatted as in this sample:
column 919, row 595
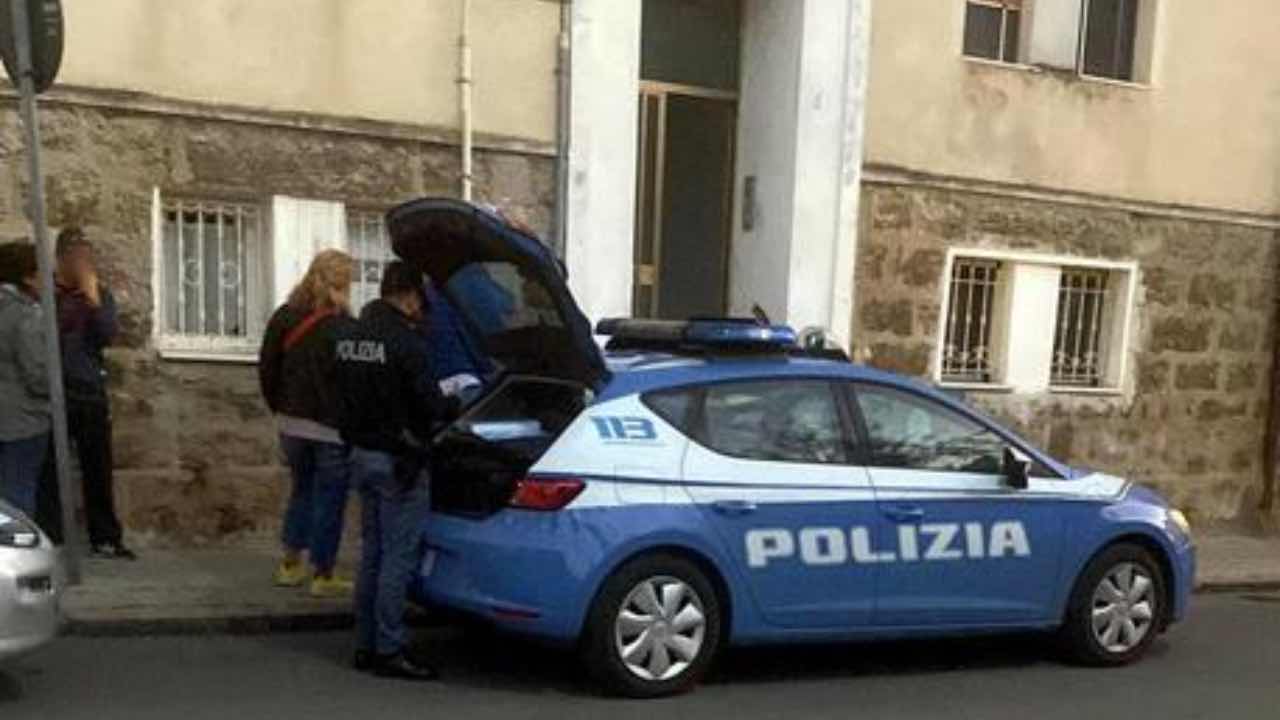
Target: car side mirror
column 1017, row 468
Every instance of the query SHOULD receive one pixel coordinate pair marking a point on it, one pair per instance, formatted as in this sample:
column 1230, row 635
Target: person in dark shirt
column 296, row 371
column 87, row 325
column 391, row 406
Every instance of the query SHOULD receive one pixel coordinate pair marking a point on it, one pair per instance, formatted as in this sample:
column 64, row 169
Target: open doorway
column 688, row 108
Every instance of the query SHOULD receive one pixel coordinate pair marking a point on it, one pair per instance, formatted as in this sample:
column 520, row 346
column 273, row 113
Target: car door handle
column 734, row 507
column 904, row 513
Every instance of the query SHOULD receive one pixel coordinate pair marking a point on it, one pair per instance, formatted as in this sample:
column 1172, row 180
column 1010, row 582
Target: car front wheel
column 654, row 628
column 1116, row 607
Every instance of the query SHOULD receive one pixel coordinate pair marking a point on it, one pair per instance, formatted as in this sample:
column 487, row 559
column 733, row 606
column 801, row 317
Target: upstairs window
column 992, row 28
column 1112, row 39
column 1110, row 34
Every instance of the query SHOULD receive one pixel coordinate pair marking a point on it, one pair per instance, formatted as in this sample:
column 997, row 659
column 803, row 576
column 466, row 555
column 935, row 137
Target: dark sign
column 44, row 17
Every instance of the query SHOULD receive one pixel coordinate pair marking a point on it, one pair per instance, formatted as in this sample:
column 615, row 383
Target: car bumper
column 1184, row 581
column 526, row 572
column 30, row 595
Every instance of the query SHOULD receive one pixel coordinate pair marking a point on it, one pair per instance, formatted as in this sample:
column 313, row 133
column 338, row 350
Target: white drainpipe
column 464, row 96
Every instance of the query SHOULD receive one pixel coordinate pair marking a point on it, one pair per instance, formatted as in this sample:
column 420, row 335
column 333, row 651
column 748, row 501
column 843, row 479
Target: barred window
column 967, row 352
column 370, row 246
column 991, row 29
column 1078, row 355
column 208, row 253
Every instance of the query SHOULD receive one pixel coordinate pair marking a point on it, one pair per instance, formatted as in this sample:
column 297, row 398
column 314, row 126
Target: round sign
column 44, row 18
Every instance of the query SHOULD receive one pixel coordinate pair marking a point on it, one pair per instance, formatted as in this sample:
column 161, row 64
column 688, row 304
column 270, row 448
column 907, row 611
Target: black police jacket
column 391, row 401
column 296, row 370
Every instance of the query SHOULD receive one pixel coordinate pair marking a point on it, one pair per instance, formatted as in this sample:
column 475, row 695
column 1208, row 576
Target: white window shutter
column 300, row 229
column 1054, row 39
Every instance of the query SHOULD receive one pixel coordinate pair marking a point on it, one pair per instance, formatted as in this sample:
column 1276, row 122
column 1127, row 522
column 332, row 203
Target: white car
column 29, row 591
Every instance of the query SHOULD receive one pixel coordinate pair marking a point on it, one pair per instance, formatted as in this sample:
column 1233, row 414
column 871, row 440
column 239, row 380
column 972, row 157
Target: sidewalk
column 230, row 590
column 193, row 591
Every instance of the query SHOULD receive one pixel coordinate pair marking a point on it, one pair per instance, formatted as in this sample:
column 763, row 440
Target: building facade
column 1065, row 209
column 1070, row 215
column 209, row 149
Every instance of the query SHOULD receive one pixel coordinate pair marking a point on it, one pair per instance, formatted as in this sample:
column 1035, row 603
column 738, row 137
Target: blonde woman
column 296, row 371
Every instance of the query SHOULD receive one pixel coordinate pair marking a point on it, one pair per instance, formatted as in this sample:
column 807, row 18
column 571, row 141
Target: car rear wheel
column 654, row 628
column 1116, row 607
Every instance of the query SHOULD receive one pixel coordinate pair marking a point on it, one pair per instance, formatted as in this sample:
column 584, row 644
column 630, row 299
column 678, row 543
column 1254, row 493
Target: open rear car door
column 511, row 294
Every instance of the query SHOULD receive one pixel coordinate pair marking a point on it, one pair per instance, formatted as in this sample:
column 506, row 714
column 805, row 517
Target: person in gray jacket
column 24, row 388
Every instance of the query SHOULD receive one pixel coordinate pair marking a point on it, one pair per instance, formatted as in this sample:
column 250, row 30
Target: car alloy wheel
column 659, row 629
column 1124, row 608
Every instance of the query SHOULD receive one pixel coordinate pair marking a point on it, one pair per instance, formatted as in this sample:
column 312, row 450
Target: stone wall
column 196, row 454
column 1191, row 421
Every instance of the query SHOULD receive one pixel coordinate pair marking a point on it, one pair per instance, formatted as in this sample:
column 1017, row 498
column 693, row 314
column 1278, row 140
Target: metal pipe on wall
column 564, row 108
column 464, row 96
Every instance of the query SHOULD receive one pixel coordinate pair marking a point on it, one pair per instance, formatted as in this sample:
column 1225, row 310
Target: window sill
column 211, row 350
column 1023, row 67
column 1101, row 391
column 976, row 387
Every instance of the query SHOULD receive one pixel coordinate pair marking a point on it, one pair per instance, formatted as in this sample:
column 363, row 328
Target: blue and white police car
column 708, row 483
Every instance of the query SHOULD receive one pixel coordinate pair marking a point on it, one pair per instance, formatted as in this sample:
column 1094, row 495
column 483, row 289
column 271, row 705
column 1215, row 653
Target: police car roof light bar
column 697, row 334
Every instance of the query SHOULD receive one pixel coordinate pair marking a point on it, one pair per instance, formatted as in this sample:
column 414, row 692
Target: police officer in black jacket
column 391, row 404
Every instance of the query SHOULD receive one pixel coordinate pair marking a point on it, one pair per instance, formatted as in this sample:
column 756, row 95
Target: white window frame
column 183, row 346
column 363, row 289
column 1005, row 7
column 1025, row 317
column 290, row 232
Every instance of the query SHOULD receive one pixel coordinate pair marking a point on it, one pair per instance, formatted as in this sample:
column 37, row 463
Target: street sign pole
column 27, row 89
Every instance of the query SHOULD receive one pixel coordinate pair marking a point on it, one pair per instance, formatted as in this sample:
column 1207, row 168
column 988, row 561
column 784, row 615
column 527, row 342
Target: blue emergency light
column 722, row 334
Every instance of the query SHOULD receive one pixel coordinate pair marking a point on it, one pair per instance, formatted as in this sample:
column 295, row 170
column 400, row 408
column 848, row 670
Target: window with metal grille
column 967, row 353
column 370, row 247
column 991, row 29
column 208, row 253
column 1078, row 356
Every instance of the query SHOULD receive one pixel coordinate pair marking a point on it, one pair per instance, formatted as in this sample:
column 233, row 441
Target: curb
column 229, row 625
column 1240, row 586
column 245, row 624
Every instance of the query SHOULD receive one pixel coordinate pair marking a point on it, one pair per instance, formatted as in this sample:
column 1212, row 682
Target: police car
column 709, row 483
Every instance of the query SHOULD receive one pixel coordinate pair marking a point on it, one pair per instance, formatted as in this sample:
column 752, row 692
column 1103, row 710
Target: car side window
column 674, row 406
column 780, row 420
column 908, row 431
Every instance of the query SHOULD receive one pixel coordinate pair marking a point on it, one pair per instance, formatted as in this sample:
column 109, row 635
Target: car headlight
column 1179, row 520
column 18, row 533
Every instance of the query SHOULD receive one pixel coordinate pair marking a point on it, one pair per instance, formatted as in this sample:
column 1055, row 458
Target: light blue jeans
column 393, row 509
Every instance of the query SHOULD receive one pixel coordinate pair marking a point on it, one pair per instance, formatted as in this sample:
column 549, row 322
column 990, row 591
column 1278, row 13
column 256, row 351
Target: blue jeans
column 393, row 509
column 318, row 504
column 21, row 463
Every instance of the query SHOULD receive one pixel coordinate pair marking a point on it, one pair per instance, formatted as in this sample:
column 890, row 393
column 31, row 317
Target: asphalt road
column 1223, row 663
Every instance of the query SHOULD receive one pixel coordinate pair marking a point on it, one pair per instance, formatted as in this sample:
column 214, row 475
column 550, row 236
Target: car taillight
column 545, row 493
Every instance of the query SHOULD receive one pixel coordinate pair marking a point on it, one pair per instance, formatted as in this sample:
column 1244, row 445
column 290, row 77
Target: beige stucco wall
column 1206, row 132
column 393, row 60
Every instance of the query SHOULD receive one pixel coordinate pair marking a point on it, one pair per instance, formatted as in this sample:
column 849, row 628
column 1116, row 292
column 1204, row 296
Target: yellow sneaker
column 331, row 587
column 290, row 574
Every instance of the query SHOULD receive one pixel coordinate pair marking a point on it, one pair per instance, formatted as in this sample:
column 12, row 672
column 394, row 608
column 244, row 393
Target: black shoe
column 113, row 551
column 403, row 667
column 363, row 661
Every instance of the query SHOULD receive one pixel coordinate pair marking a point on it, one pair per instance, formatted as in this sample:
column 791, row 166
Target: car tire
column 654, row 628
column 1116, row 609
